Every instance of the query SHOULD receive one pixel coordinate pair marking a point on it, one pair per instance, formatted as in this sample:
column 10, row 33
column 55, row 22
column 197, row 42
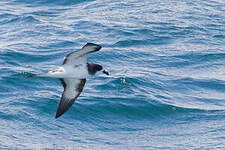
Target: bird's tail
column 41, row 75
column 28, row 74
column 31, row 75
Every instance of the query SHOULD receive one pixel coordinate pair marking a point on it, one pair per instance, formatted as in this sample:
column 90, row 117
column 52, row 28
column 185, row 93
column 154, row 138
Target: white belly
column 68, row 71
column 79, row 72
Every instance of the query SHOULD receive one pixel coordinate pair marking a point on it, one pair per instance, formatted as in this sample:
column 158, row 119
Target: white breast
column 73, row 71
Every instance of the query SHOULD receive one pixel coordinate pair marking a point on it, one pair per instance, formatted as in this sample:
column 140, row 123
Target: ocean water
column 166, row 88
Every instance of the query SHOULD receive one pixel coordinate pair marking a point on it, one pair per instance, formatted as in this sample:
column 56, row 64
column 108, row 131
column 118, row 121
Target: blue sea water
column 166, row 88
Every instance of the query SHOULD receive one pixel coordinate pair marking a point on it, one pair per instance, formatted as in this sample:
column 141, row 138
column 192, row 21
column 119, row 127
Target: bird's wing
column 72, row 89
column 80, row 56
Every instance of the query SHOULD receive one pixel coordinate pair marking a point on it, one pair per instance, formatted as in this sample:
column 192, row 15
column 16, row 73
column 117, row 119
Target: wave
column 20, row 20
column 49, row 2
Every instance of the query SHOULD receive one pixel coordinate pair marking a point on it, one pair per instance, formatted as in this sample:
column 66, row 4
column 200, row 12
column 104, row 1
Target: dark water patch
column 120, row 86
column 170, row 31
column 84, row 25
column 16, row 58
column 111, row 55
column 44, row 105
column 26, row 120
column 124, row 86
column 158, row 23
column 52, row 3
column 161, row 11
column 14, row 86
column 144, row 31
column 170, row 62
column 154, row 41
column 190, row 84
column 215, row 27
column 217, row 104
column 196, row 58
column 19, row 55
column 7, row 116
column 219, row 36
column 210, row 84
column 4, row 16
column 199, row 41
column 49, row 32
column 206, row 115
column 14, row 112
column 23, row 34
column 59, row 44
column 123, row 108
column 193, row 16
column 118, row 33
column 49, row 13
column 21, row 20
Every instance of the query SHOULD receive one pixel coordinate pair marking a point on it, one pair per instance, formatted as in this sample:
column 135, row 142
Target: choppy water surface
column 166, row 88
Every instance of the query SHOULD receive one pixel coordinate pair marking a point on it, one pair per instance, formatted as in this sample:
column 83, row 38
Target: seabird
column 73, row 73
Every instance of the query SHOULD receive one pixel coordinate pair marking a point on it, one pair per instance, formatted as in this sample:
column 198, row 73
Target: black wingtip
column 60, row 110
column 92, row 44
column 57, row 115
column 63, row 106
column 96, row 46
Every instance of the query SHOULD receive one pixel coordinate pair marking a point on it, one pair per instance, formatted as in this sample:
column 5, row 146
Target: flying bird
column 73, row 73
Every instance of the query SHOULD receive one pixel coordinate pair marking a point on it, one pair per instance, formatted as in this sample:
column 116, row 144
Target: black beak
column 105, row 72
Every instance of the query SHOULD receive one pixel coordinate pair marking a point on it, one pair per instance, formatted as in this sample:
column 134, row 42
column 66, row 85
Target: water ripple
column 166, row 80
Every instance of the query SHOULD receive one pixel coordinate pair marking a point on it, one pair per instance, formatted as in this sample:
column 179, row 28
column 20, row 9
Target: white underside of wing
column 71, row 86
column 75, row 60
column 80, row 56
column 72, row 89
column 74, row 65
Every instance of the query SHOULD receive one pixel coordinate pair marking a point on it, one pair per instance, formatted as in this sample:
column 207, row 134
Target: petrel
column 73, row 73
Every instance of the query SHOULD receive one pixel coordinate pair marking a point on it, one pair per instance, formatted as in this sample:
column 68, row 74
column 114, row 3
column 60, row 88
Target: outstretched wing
column 72, row 89
column 80, row 56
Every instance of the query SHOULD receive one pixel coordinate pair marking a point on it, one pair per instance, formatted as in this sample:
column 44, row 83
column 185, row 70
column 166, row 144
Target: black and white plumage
column 73, row 73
